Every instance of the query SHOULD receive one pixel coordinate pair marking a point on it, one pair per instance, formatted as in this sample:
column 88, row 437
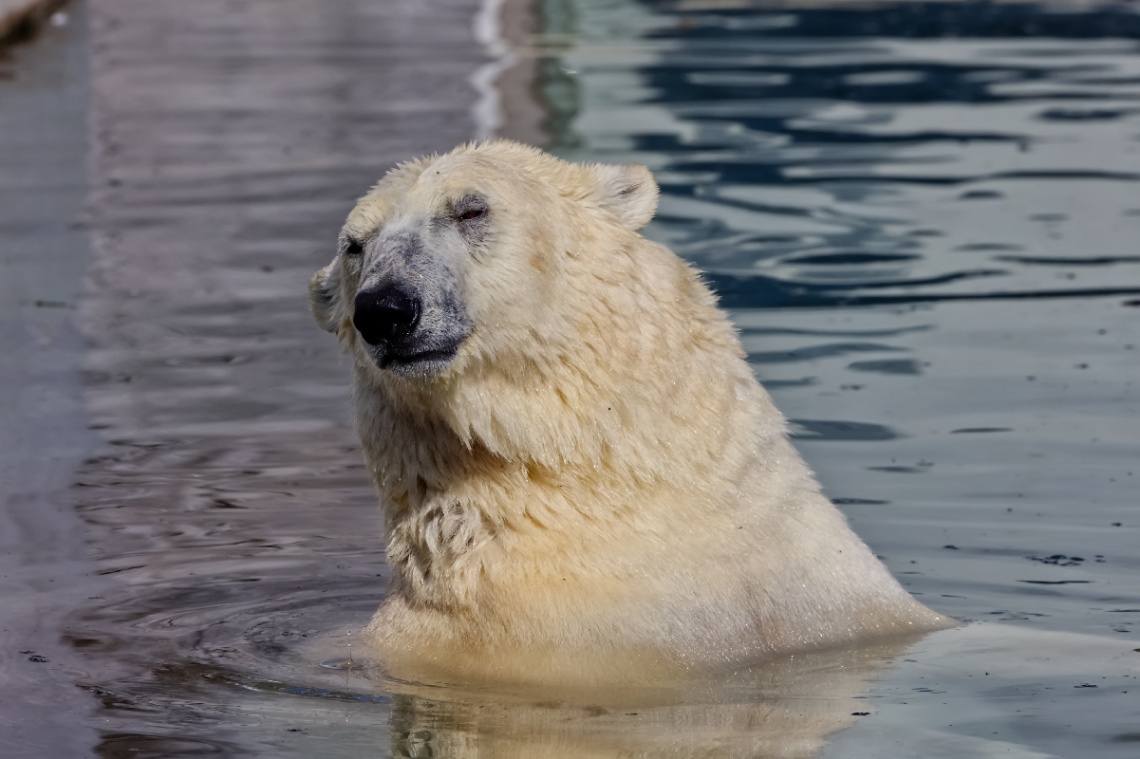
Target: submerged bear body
column 582, row 479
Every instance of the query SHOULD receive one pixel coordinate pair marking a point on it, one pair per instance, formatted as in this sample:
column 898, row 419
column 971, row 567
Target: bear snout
column 385, row 313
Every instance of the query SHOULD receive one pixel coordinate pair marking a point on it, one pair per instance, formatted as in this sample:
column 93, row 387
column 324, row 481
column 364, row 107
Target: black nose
column 385, row 313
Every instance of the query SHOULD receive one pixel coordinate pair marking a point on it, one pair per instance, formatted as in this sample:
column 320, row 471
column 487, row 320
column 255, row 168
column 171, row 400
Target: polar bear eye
column 470, row 209
column 353, row 248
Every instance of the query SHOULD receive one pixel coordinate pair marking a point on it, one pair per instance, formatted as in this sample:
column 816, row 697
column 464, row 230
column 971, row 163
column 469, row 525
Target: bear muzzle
column 385, row 314
column 391, row 319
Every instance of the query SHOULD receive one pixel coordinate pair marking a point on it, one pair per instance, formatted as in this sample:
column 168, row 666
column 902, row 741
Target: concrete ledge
column 20, row 19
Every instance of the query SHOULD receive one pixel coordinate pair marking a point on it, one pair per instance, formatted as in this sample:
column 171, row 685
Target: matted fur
column 596, row 487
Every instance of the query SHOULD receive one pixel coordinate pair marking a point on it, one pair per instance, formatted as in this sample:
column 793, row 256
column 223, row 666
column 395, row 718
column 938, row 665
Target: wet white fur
column 597, row 489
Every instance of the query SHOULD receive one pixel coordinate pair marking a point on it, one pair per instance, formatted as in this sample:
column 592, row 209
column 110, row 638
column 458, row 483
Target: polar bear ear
column 628, row 192
column 324, row 297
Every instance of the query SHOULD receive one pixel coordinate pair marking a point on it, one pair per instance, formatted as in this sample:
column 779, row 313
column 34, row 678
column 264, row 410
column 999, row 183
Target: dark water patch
column 823, row 136
column 987, row 246
column 817, row 352
column 832, row 137
column 1059, row 560
column 789, row 383
column 981, row 195
column 912, row 20
column 904, row 366
column 979, row 430
column 1109, row 176
column 746, row 329
column 827, row 429
column 834, row 170
column 737, row 291
column 1057, row 582
column 52, row 304
column 1070, row 261
column 1087, row 114
column 858, row 502
column 850, row 259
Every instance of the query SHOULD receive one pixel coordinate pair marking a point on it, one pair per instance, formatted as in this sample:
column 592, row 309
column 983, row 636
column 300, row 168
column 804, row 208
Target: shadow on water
column 922, row 216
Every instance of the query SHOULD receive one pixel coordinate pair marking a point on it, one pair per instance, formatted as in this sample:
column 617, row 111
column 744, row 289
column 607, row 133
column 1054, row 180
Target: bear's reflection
column 784, row 708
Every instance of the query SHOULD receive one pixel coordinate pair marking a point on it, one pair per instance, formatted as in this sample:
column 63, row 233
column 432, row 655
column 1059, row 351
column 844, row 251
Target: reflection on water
column 830, row 156
column 923, row 217
column 784, row 709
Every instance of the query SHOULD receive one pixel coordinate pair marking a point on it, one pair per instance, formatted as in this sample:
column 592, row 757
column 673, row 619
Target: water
column 44, row 572
column 922, row 217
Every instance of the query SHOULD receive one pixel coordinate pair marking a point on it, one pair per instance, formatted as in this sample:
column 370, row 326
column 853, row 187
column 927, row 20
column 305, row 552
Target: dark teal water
column 923, row 218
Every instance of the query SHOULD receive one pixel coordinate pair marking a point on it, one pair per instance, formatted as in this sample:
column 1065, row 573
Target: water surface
column 921, row 216
column 924, row 219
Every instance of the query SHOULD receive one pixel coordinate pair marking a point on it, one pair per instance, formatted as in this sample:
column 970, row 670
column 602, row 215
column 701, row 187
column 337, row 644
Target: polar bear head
column 462, row 258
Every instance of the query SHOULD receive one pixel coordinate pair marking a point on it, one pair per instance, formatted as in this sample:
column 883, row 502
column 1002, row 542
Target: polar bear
column 582, row 479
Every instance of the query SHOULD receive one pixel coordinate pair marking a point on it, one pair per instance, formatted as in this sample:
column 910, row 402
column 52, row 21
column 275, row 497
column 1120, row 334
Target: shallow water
column 927, row 239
